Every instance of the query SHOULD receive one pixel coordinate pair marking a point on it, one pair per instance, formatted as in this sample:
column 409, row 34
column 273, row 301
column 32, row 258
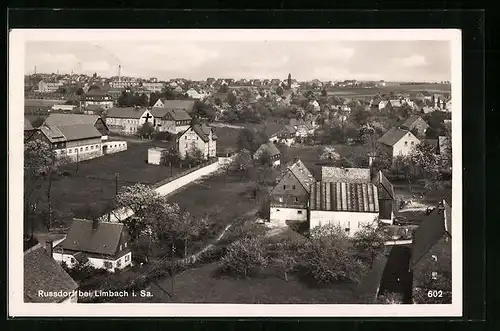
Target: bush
column 244, row 257
column 163, row 136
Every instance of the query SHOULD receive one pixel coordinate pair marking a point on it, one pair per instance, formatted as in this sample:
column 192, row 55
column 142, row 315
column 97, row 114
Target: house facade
column 195, row 94
column 171, row 120
column 128, row 120
column 398, row 142
column 351, row 206
column 416, row 125
column 103, row 245
column 186, row 105
column 290, row 196
column 121, row 84
column 201, row 137
column 48, row 87
column 153, row 86
column 98, row 98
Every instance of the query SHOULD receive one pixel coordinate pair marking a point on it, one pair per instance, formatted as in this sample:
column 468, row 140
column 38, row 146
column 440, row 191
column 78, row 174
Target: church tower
column 289, row 81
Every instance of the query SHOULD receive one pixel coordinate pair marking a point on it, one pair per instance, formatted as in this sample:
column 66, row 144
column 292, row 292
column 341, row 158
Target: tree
column 223, row 89
column 80, row 91
column 329, row 153
column 330, row 256
column 244, row 257
column 144, row 101
column 424, row 158
column 324, row 93
column 370, row 243
column 248, row 139
column 283, row 256
column 280, row 91
column 189, row 228
column 433, row 284
column 170, row 156
column 37, row 122
column 146, row 130
column 389, row 299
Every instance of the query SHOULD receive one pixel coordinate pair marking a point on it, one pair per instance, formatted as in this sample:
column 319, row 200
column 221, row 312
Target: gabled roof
column 411, row 121
column 187, row 105
column 269, row 147
column 346, row 175
column 391, row 137
column 288, row 129
column 27, row 124
column 174, row 114
column 126, row 112
column 203, row 131
column 395, row 103
column 300, row 171
column 435, row 226
column 70, row 119
column 79, row 131
column 380, row 180
column 43, row 273
column 103, row 240
column 338, row 196
column 53, row 134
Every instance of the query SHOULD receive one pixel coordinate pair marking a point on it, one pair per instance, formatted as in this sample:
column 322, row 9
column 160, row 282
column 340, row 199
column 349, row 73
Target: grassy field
column 94, row 185
column 205, row 285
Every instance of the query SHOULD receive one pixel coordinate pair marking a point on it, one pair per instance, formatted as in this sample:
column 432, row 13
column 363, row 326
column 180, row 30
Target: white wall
column 124, row 213
column 60, row 257
column 115, row 146
column 279, row 215
column 154, row 156
column 400, row 148
column 95, row 262
column 352, row 220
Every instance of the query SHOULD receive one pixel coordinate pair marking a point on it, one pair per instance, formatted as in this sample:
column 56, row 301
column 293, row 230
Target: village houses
column 416, row 125
column 100, row 244
column 398, row 142
column 97, row 98
column 198, row 136
column 290, row 195
column 44, row 275
column 171, row 120
column 48, row 86
column 128, row 120
column 186, row 105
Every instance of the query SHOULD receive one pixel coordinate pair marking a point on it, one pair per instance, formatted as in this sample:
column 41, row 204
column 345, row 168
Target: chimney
column 49, row 246
column 95, row 224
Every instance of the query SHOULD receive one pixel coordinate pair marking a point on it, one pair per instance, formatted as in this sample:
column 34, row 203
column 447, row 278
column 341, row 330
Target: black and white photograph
column 235, row 172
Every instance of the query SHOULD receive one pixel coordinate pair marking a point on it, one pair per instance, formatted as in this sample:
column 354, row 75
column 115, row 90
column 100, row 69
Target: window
column 72, row 260
column 284, row 187
column 185, row 137
column 299, row 212
column 127, row 258
column 434, row 275
column 412, row 143
column 81, row 149
column 280, row 199
column 87, row 148
column 121, row 247
column 125, row 244
column 108, row 265
column 296, row 199
column 119, row 263
column 406, row 143
column 277, row 210
column 186, row 146
column 70, row 151
column 92, row 147
column 293, row 187
column 434, row 258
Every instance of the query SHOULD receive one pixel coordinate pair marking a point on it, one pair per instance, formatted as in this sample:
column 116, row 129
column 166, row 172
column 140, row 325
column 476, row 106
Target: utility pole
column 77, row 158
column 173, row 268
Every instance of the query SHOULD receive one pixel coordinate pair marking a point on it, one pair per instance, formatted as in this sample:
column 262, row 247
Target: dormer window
column 434, row 258
column 406, row 143
column 434, row 275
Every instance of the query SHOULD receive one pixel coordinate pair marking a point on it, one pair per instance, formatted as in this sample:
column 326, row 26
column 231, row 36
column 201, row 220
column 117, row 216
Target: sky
column 390, row 60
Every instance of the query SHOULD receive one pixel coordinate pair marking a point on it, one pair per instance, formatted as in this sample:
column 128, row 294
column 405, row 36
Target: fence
column 184, row 173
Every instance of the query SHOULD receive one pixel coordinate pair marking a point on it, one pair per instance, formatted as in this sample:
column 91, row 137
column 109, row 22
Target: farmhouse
column 386, row 195
column 78, row 137
column 101, row 244
column 431, row 247
column 154, row 155
column 98, row 98
column 171, row 120
column 270, row 150
column 198, row 136
column 290, row 196
column 195, row 94
column 43, row 273
column 186, row 105
column 416, row 125
column 398, row 142
column 128, row 120
column 350, row 206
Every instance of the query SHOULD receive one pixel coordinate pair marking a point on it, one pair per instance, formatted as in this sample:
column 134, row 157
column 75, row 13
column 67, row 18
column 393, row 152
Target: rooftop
column 341, row 196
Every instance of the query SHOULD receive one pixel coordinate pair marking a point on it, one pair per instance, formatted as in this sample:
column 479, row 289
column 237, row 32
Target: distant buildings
column 48, row 87
column 187, row 105
column 416, row 125
column 98, row 98
column 121, row 84
column 270, row 151
column 153, row 86
column 128, row 120
column 171, row 120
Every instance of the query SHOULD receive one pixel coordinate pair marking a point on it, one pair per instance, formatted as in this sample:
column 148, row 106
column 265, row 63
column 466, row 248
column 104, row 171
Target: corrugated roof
column 70, row 119
column 175, row 114
column 43, row 273
column 338, row 196
column 103, row 240
column 392, row 136
column 52, row 133
column 346, row 175
column 126, row 112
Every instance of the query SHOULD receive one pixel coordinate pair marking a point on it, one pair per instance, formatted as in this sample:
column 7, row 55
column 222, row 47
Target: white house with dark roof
column 416, row 124
column 101, row 244
column 198, row 136
column 398, row 142
column 43, row 275
column 128, row 120
column 290, row 195
column 171, row 120
column 350, row 206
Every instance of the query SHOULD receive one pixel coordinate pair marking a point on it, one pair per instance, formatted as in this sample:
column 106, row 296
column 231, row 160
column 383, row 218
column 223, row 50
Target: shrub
column 244, row 257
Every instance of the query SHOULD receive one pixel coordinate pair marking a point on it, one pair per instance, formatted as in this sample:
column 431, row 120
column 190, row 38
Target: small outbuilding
column 154, row 155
